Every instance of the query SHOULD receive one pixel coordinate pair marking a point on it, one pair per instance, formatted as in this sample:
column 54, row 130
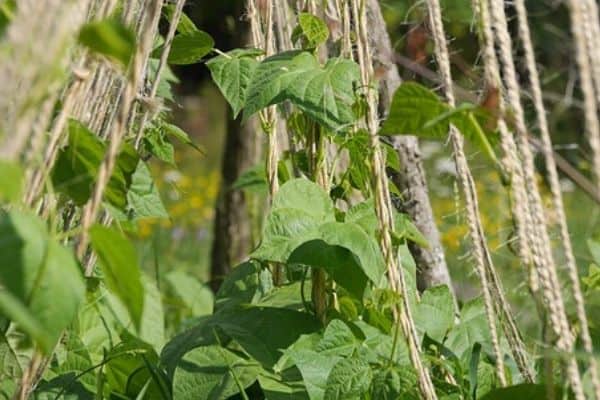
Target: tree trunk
column 431, row 263
column 232, row 232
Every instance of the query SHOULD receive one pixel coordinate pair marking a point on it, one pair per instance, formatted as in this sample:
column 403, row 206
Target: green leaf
column 413, row 107
column 10, row 369
column 186, row 25
column 263, row 332
column 152, row 326
column 292, row 219
column 241, row 285
column 337, row 339
column 157, row 145
column 416, row 110
column 471, row 329
column 119, row 263
column 253, row 179
column 143, row 197
column 11, row 184
column 294, row 194
column 188, row 48
column 196, row 297
column 34, row 269
column 346, row 252
column 232, row 73
column 180, row 135
column 349, row 379
column 212, row 373
column 324, row 93
column 435, row 313
column 315, row 369
column 312, row 29
column 594, row 248
column 395, row 383
column 77, row 166
column 287, row 386
column 109, row 38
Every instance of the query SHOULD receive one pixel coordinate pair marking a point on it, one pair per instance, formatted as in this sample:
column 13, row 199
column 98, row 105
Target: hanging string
column 592, row 36
column 383, row 206
column 554, row 184
column 262, row 38
column 546, row 270
column 119, row 127
column 161, row 66
column 585, row 50
column 483, row 260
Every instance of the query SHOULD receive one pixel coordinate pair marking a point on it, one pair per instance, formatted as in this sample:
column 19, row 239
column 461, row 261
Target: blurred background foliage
column 191, row 188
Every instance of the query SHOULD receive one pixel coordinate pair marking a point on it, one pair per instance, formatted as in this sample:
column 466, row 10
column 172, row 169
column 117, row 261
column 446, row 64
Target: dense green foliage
column 257, row 338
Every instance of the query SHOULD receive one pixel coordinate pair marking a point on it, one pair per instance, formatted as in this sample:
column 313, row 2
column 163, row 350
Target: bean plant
column 103, row 335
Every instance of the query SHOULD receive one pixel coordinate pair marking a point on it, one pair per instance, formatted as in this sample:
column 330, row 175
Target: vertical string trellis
column 493, row 293
column 544, row 261
column 118, row 130
column 261, row 28
column 583, row 37
column 555, row 188
column 383, row 207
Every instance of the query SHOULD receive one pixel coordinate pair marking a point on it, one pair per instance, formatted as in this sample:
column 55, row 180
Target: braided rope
column 383, row 206
column 585, row 50
column 119, row 127
column 557, row 199
column 262, row 37
column 592, row 36
column 161, row 66
column 483, row 261
column 547, row 269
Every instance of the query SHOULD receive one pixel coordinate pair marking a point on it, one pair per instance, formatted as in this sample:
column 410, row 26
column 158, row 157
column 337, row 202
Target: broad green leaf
column 263, row 332
column 10, row 369
column 109, row 38
column 348, row 380
column 395, row 383
column 346, row 252
column 337, row 339
column 212, row 373
column 180, row 134
column 272, row 77
column 315, row 368
column 364, row 215
column 594, row 248
column 152, row 326
column 471, row 329
column 293, row 220
column 120, row 269
column 325, row 93
column 416, row 110
column 253, row 179
column 435, row 313
column 312, row 29
column 196, row 297
column 186, row 25
column 294, row 195
column 523, row 391
column 143, row 197
column 156, row 144
column 34, row 269
column 287, row 386
column 592, row 280
column 413, row 107
column 76, row 168
column 241, row 285
column 167, row 79
column 11, row 184
column 232, row 72
column 188, row 48
column 286, row 296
